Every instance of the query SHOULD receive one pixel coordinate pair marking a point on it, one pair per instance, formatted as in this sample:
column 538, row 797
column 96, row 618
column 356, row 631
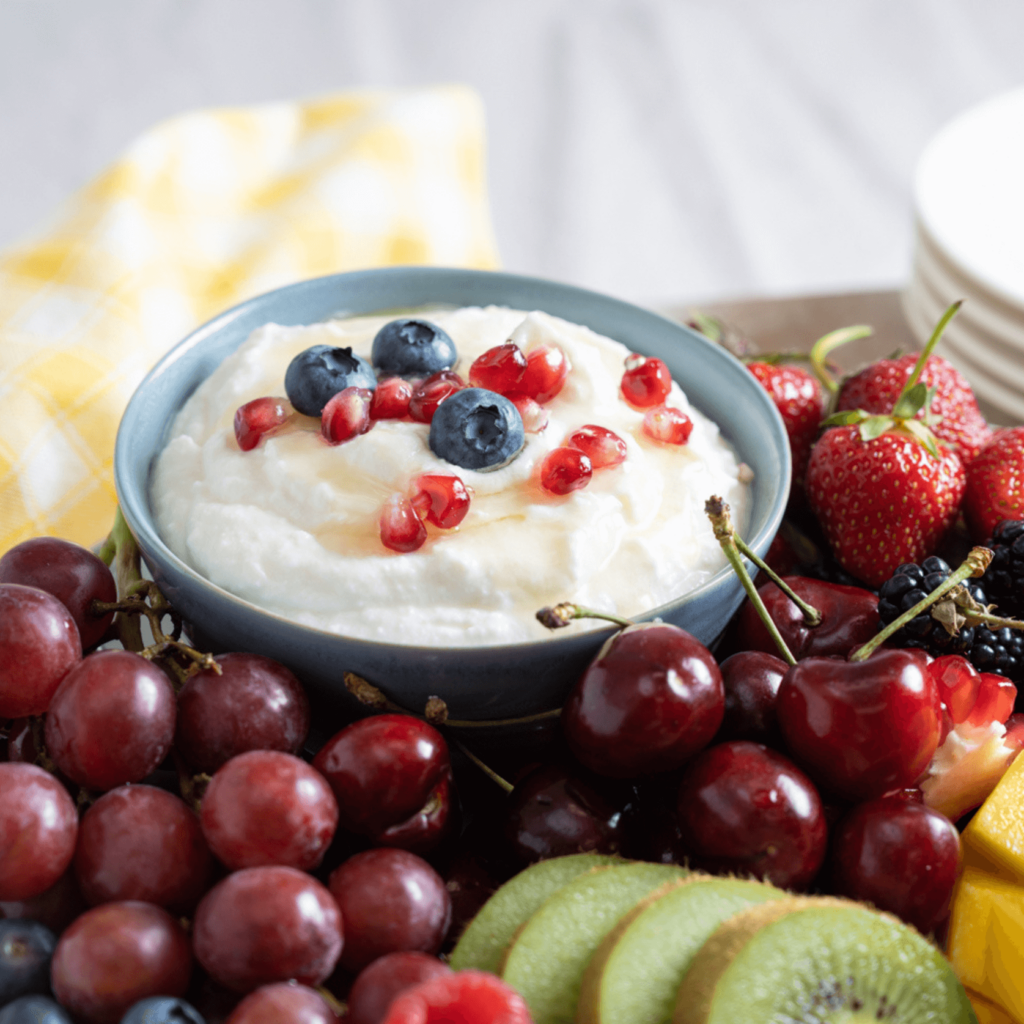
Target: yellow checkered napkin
column 200, row 213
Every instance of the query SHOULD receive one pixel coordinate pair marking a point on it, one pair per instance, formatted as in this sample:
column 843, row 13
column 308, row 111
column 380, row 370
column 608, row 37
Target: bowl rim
column 133, row 495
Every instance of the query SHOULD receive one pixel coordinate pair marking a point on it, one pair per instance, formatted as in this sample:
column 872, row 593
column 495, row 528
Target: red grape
column 38, row 828
column 254, row 704
column 261, row 925
column 142, row 843
column 268, row 807
column 378, row 984
column 57, row 907
column 73, row 574
column 283, row 1003
column 390, row 900
column 111, row 721
column 39, row 645
column 117, row 954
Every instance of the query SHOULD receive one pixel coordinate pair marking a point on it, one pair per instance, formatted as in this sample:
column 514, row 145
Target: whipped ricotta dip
column 292, row 526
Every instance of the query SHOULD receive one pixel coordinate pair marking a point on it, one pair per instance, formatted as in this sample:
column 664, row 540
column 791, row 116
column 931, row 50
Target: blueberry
column 476, row 429
column 315, row 376
column 25, row 951
column 412, row 348
column 162, row 1010
column 34, row 1010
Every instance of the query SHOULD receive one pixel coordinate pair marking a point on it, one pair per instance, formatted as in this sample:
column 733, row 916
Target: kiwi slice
column 636, row 972
column 483, row 943
column 819, row 960
column 550, row 952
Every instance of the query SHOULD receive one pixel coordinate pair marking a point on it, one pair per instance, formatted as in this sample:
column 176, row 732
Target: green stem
column 718, row 512
column 827, row 344
column 559, row 615
column 811, row 614
column 487, row 770
column 975, row 564
column 127, row 568
column 927, row 350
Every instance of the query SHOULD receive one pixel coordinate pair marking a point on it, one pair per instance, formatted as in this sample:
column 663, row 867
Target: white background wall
column 661, row 150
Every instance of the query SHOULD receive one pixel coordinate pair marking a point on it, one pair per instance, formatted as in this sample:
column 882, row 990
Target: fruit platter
column 816, row 814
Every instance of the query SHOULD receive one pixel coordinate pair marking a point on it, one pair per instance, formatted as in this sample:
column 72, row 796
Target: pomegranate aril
column 602, row 446
column 996, row 696
column 499, row 369
column 258, row 418
column 547, row 368
column 391, row 399
column 401, row 529
column 667, row 425
column 534, row 416
column 565, row 469
column 958, row 682
column 1014, row 738
column 441, row 500
column 646, row 382
column 461, row 996
column 346, row 415
column 428, row 395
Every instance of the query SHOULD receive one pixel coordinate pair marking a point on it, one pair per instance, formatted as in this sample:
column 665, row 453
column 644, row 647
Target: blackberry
column 911, row 583
column 1004, row 578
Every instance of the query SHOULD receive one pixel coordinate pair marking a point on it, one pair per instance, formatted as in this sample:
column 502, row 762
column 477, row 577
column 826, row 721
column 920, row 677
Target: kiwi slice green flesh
column 635, row 974
column 819, row 961
column 550, row 952
column 483, row 943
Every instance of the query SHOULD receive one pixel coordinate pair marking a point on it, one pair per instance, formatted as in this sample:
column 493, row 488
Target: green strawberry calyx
column 914, row 398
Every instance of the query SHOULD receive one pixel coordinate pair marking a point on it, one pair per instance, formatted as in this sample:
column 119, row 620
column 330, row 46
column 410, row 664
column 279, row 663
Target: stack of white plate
column 969, row 198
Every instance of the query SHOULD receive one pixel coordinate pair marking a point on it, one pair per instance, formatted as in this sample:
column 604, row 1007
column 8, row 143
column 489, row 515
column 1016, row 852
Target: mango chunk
column 997, row 830
column 986, row 939
column 988, row 1013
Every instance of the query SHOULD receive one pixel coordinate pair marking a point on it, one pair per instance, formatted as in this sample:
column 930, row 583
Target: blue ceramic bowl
column 484, row 683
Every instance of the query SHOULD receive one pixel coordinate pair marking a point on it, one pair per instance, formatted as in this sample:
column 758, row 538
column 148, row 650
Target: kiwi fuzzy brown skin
column 947, row 999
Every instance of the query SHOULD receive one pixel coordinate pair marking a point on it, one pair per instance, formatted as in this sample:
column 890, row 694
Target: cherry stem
column 721, row 522
column 811, row 614
column 559, row 615
column 975, row 564
column 927, row 350
column 486, row 769
column 827, row 344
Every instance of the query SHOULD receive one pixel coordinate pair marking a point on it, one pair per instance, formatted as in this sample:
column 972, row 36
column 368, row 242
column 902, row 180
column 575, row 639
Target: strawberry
column 880, row 485
column 961, row 427
column 799, row 397
column 995, row 483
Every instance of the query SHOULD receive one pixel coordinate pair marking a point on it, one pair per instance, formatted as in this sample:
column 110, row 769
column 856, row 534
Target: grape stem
column 721, row 522
column 975, row 564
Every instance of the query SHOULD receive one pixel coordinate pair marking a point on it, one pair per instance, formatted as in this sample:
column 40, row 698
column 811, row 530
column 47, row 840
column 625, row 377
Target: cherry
column 268, row 807
column 900, row 856
column 391, row 900
column 747, row 810
column 261, row 925
column 849, row 618
column 346, row 415
column 429, row 394
column 116, row 954
column 260, row 418
column 379, row 983
column 71, row 573
column 111, row 721
column 391, row 399
column 142, row 843
column 441, row 500
column 553, row 811
column 39, row 645
column 283, row 1002
column 861, row 728
column 390, row 775
column 564, row 470
column 534, row 416
column 255, row 703
column 647, row 703
column 667, row 425
column 646, row 382
column 547, row 368
column 499, row 369
column 751, row 680
column 38, row 831
column 401, row 529
column 603, row 447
